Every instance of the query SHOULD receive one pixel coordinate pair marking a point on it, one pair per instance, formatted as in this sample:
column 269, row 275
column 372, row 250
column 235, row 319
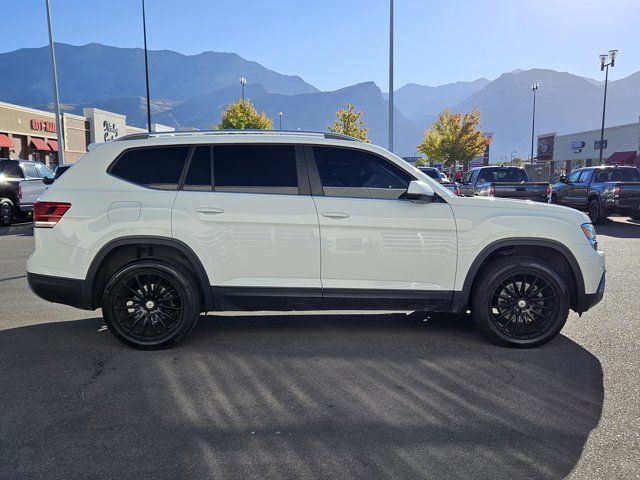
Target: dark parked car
column 601, row 191
column 504, row 182
column 20, row 186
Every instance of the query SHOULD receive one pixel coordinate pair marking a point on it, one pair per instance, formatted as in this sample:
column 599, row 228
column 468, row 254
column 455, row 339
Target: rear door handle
column 335, row 215
column 210, row 210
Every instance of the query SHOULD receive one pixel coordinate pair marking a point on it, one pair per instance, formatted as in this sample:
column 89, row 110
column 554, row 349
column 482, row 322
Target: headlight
column 590, row 233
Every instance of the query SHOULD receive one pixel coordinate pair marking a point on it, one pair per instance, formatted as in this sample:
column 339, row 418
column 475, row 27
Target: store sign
column 110, row 130
column 43, row 125
column 578, row 144
column 596, row 144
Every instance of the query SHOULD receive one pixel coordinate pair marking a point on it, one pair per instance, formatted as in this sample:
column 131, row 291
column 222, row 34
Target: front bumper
column 590, row 300
column 68, row 291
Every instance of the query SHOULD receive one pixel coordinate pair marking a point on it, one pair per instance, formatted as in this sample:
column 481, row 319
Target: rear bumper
column 68, row 291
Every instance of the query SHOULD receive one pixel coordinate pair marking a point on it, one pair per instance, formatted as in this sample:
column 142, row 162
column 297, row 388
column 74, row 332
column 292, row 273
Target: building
column 30, row 134
column 565, row 153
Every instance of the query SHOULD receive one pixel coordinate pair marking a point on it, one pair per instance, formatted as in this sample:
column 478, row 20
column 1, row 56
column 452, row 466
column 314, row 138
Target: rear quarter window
column 159, row 167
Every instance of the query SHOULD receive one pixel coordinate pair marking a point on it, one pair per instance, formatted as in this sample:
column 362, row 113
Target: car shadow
column 20, row 229
column 294, row 396
column 628, row 229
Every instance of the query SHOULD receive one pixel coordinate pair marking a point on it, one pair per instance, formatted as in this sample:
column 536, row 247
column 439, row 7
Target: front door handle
column 335, row 215
column 210, row 210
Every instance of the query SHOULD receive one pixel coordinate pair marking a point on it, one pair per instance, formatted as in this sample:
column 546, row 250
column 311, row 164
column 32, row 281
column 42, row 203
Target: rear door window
column 30, row 171
column 159, row 168
column 255, row 169
column 630, row 175
column 355, row 173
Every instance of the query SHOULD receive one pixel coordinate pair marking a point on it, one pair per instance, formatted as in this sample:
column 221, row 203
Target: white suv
column 157, row 228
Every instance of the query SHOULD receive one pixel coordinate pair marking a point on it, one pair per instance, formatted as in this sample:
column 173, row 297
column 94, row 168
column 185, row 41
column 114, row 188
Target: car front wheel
column 150, row 305
column 520, row 301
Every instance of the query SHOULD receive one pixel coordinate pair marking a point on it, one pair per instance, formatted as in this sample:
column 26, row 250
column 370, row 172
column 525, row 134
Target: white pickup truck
column 21, row 183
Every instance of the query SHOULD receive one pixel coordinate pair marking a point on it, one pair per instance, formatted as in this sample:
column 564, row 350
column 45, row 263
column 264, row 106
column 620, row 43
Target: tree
column 242, row 115
column 350, row 122
column 455, row 138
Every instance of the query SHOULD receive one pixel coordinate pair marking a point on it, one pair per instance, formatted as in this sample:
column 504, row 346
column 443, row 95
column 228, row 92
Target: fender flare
column 98, row 259
column 461, row 298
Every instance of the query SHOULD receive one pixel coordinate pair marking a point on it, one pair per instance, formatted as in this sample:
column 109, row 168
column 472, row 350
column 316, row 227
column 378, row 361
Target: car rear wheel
column 150, row 305
column 7, row 211
column 520, row 301
column 595, row 211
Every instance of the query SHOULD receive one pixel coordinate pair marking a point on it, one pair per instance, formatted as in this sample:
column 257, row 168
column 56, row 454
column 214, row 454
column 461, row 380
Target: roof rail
column 192, row 133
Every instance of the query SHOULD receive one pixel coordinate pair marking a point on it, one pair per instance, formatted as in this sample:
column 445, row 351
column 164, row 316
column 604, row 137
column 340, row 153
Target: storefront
column 30, row 134
column 565, row 153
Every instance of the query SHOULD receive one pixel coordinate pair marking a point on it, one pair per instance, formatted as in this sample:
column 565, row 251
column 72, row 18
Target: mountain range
column 190, row 91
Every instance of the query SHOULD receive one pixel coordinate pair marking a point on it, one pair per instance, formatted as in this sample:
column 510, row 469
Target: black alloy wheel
column 6, row 212
column 595, row 212
column 520, row 301
column 150, row 305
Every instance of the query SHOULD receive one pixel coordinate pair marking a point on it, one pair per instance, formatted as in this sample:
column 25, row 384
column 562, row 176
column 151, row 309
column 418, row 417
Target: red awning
column 39, row 144
column 622, row 158
column 53, row 145
column 5, row 141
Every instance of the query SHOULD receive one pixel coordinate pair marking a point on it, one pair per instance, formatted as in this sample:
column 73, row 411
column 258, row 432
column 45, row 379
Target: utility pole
column 604, row 65
column 56, row 97
column 534, row 88
column 391, row 76
column 146, row 65
column 280, row 119
column 243, row 82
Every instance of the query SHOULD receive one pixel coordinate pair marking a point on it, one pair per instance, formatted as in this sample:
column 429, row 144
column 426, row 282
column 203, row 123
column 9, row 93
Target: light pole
column 391, row 75
column 513, row 154
column 243, row 82
column 603, row 64
column 280, row 119
column 146, row 65
column 534, row 89
column 56, row 97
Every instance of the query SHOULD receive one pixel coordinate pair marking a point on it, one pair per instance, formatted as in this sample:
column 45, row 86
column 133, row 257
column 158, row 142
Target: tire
column 513, row 317
column 595, row 211
column 150, row 304
column 7, row 212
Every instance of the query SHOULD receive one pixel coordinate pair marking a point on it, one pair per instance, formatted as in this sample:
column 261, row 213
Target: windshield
column 432, row 172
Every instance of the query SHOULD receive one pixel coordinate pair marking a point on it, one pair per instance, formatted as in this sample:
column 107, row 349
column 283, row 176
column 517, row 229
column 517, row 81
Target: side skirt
column 289, row 299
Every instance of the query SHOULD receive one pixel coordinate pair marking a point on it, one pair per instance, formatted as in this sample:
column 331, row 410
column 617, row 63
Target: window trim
column 316, row 183
column 115, row 161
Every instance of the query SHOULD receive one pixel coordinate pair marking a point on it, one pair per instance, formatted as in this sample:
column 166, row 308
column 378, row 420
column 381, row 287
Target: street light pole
column 604, row 65
column 243, row 82
column 391, row 76
column 146, row 65
column 280, row 119
column 534, row 88
column 56, row 97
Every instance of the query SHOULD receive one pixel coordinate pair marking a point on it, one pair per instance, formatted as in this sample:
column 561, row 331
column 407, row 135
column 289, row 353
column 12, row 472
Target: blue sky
column 333, row 43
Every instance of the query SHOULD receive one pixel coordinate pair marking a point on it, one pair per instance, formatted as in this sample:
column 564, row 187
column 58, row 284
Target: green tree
column 242, row 115
column 454, row 138
column 349, row 122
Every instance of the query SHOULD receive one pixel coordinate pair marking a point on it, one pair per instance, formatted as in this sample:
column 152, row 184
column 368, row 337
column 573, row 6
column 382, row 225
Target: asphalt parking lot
column 320, row 396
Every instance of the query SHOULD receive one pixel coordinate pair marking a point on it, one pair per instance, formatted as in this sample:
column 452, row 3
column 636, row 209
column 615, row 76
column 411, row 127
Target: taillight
column 456, row 191
column 492, row 191
column 616, row 192
column 47, row 214
column 20, row 192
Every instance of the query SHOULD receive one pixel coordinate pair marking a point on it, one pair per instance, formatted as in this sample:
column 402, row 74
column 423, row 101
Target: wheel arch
column 525, row 245
column 121, row 251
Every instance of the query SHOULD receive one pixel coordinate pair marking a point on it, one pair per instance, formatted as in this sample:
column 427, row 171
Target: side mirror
column 48, row 180
column 420, row 191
